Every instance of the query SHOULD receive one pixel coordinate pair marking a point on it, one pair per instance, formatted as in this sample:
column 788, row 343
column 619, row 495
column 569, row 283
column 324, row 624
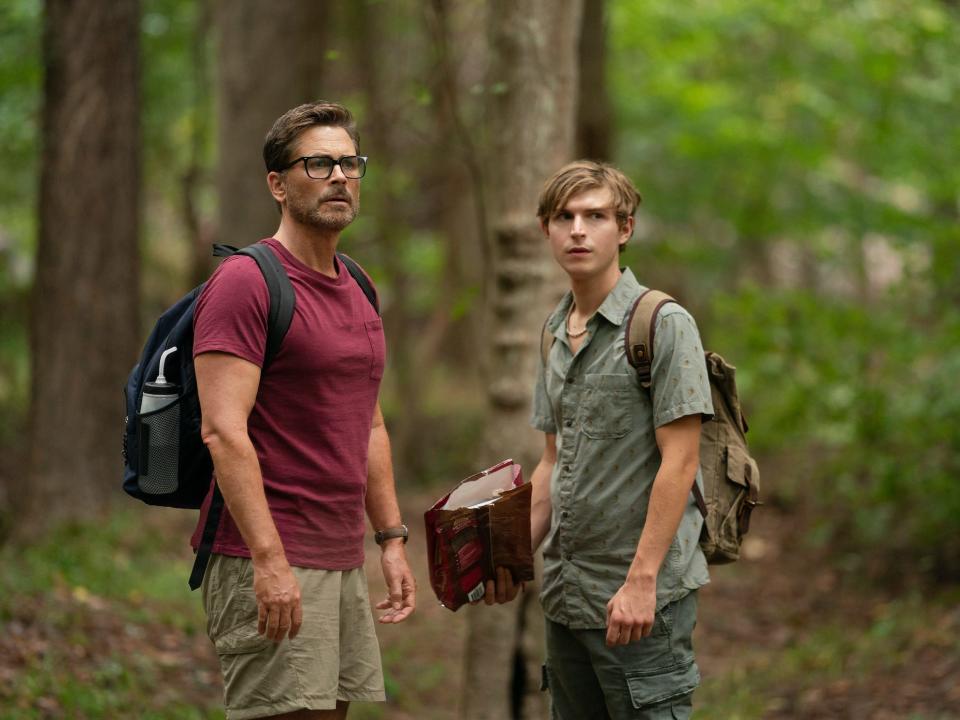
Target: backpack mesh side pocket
column 159, row 441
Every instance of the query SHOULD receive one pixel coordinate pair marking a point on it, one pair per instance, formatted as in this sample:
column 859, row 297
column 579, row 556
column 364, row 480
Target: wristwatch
column 389, row 533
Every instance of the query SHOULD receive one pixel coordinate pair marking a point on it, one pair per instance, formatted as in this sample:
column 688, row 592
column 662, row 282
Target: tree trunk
column 456, row 34
column 84, row 326
column 533, row 86
column 594, row 111
column 270, row 58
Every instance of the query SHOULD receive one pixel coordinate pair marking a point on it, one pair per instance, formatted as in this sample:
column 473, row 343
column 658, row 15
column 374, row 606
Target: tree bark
column 533, row 87
column 456, row 32
column 84, row 321
column 270, row 58
column 594, row 110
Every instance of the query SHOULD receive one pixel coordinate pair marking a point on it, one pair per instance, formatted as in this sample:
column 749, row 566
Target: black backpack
column 179, row 475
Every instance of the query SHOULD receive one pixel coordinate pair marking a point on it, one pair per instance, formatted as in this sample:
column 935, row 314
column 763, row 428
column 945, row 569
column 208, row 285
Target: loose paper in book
column 482, row 524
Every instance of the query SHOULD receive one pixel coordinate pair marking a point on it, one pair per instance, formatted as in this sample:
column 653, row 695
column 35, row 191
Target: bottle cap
column 160, row 388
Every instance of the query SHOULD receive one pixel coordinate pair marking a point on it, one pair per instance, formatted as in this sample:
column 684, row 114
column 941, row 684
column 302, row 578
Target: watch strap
column 389, row 533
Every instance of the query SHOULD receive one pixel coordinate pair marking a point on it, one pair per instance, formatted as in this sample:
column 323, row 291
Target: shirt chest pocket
column 606, row 405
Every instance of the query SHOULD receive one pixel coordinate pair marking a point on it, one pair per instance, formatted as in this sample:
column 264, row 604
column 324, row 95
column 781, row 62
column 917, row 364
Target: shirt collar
column 556, row 320
column 614, row 307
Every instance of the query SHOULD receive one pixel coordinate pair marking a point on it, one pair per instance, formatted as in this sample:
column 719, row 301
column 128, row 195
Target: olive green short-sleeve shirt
column 607, row 455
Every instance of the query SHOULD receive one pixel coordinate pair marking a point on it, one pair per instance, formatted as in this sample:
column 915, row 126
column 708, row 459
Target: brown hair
column 288, row 127
column 582, row 175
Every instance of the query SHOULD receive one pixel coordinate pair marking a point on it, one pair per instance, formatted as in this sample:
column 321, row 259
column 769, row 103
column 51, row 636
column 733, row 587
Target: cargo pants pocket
column 231, row 606
column 652, row 688
column 661, row 674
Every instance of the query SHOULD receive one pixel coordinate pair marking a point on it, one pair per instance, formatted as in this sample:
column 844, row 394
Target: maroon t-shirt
column 311, row 421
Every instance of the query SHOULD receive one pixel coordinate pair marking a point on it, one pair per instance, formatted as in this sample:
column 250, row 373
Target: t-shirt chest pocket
column 605, row 409
column 378, row 347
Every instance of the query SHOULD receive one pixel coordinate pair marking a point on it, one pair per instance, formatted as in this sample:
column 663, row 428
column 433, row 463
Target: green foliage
column 811, row 352
column 768, row 114
column 178, row 121
column 178, row 98
column 20, row 83
column 747, row 123
column 20, row 86
column 799, row 163
column 116, row 687
column 872, row 390
column 115, row 559
column 831, row 656
column 101, row 621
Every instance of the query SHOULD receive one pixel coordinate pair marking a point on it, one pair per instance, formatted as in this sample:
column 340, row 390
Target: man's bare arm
column 630, row 612
column 227, row 386
column 384, row 512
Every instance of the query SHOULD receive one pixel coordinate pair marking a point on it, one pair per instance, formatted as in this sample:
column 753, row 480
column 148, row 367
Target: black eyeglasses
column 320, row 167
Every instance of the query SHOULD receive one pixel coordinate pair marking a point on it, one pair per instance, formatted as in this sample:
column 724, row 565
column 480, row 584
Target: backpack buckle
column 640, row 359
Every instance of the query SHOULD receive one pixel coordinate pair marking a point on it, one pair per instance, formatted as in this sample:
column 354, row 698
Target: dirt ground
column 752, row 615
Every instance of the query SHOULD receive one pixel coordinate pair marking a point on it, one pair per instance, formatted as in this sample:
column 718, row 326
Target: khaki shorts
column 335, row 656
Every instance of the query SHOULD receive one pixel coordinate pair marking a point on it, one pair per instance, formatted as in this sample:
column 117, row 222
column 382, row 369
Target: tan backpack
column 731, row 478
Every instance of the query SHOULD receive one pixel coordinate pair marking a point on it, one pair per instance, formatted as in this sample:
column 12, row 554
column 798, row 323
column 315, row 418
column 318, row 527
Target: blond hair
column 580, row 176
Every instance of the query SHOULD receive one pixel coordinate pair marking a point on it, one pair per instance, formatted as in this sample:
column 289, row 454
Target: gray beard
column 322, row 218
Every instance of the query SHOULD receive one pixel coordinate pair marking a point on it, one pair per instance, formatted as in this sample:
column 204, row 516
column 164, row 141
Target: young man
column 612, row 492
column 300, row 450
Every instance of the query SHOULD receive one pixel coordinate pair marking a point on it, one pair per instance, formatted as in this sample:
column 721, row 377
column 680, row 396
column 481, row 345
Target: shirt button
column 564, row 515
column 568, row 556
column 568, row 423
column 570, row 380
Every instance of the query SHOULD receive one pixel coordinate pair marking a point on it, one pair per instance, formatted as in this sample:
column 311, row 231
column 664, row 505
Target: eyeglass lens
column 320, row 167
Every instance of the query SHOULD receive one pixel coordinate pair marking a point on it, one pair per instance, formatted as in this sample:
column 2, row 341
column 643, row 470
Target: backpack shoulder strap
column 638, row 337
column 362, row 280
column 282, row 297
column 639, row 332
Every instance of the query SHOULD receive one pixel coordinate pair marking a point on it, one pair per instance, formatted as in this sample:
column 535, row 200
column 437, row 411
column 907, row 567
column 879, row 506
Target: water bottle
column 159, row 433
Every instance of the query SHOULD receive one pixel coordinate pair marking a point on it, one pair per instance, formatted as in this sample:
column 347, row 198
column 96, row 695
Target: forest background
column 800, row 168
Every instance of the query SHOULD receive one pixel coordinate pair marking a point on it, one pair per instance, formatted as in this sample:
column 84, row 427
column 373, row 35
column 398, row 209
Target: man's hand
column 504, row 590
column 401, row 587
column 630, row 613
column 279, row 610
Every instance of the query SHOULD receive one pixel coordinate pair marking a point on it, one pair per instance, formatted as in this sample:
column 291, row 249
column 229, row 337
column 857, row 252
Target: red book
column 482, row 524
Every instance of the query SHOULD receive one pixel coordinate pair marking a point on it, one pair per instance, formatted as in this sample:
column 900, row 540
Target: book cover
column 482, row 524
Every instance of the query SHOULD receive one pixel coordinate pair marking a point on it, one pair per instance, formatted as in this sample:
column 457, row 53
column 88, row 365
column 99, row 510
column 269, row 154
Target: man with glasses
column 299, row 450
